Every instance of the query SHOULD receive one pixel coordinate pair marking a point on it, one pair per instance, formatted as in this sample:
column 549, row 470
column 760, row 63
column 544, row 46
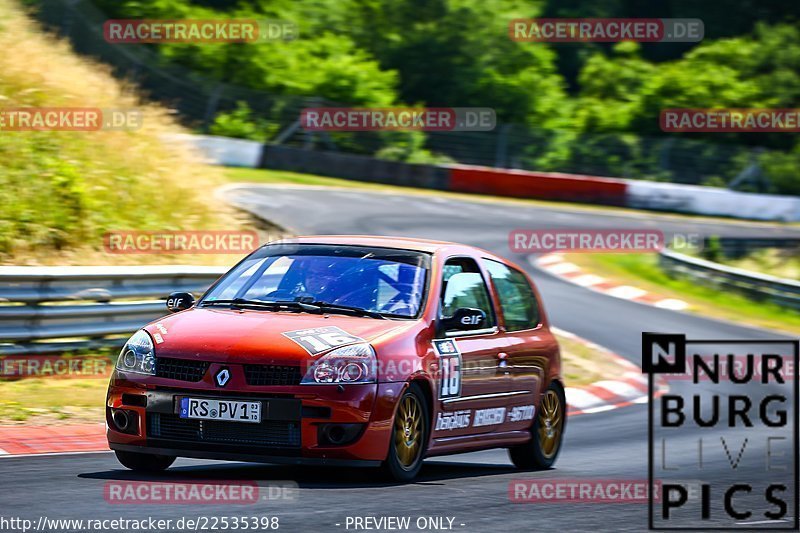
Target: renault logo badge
column 222, row 377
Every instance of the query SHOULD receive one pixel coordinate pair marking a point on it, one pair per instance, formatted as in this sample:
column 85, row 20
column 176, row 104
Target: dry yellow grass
column 61, row 191
column 775, row 262
column 52, row 400
column 584, row 365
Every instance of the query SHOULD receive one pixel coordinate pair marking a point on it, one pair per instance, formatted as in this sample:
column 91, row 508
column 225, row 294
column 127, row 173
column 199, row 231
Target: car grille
column 262, row 375
column 267, row 434
column 181, row 369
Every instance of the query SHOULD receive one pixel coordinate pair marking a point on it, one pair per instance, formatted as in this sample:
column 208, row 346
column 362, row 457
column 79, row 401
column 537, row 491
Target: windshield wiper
column 347, row 309
column 299, row 305
column 243, row 302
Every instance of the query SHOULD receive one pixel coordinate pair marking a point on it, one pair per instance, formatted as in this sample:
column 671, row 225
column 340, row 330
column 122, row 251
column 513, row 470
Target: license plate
column 227, row 410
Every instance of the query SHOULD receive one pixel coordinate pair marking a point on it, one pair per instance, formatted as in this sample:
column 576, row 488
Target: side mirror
column 179, row 301
column 465, row 319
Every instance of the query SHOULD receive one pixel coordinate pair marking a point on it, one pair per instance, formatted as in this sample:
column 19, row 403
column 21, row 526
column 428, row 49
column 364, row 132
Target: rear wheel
column 409, row 436
column 548, row 431
column 144, row 462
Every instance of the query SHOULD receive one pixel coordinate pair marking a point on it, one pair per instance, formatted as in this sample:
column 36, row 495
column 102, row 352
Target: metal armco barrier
column 736, row 247
column 354, row 167
column 754, row 285
column 639, row 194
column 50, row 309
column 53, row 309
column 457, row 178
column 544, row 185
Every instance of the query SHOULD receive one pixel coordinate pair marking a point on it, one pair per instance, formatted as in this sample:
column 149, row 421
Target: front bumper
column 289, row 431
column 252, row 458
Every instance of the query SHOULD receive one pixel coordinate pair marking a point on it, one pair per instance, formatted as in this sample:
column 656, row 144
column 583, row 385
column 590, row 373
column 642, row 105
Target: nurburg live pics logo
column 732, row 435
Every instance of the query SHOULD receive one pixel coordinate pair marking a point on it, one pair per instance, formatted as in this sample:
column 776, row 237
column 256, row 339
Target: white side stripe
column 672, row 304
column 599, row 409
column 626, row 292
column 620, row 388
column 562, row 268
column 579, row 398
column 547, row 259
column 587, row 280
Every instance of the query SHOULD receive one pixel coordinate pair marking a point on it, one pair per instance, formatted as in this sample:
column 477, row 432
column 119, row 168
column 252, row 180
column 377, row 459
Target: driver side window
column 463, row 286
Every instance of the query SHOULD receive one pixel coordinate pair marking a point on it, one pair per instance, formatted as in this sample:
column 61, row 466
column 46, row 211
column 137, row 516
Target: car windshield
column 377, row 280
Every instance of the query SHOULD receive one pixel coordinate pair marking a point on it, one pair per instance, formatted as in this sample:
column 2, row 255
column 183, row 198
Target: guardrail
column 52, row 309
column 736, row 247
column 754, row 285
column 640, row 194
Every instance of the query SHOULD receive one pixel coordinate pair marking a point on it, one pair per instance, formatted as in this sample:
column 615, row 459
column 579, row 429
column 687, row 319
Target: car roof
column 444, row 248
column 400, row 243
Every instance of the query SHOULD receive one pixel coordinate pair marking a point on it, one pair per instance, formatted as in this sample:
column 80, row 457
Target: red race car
column 345, row 351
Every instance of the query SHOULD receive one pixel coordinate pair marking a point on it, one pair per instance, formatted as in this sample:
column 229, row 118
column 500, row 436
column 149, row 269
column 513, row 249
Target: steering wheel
column 356, row 295
column 397, row 308
column 287, row 295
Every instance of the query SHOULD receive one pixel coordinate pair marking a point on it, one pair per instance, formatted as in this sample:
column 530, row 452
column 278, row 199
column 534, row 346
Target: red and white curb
column 628, row 389
column 556, row 265
column 69, row 438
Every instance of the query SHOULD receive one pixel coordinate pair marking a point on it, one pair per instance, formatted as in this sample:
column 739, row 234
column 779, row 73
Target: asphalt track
column 471, row 488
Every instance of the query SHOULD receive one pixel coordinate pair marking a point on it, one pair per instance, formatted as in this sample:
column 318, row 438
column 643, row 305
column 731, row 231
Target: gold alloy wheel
column 550, row 424
column 408, row 431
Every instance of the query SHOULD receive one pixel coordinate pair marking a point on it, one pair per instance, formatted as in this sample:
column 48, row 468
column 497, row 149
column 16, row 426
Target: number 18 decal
column 318, row 340
column 449, row 368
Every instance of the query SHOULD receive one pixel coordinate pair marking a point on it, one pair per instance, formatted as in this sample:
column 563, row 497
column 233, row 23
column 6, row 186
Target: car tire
column 144, row 462
column 409, row 440
column 548, row 428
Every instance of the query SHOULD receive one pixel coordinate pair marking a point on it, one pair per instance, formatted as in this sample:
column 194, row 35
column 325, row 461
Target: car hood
column 247, row 336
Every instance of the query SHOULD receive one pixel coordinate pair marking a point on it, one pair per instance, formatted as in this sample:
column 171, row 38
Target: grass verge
column 783, row 263
column 53, row 400
column 61, row 191
column 642, row 270
column 584, row 365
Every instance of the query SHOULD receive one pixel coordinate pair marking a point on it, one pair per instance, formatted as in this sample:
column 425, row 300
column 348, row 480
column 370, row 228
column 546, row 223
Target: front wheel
column 548, row 432
column 144, row 462
column 409, row 436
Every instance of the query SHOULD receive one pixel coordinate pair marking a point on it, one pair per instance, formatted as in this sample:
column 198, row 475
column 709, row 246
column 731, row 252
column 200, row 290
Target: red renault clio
column 345, row 350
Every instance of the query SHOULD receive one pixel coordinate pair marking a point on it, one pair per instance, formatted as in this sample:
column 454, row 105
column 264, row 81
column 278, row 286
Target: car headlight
column 138, row 355
column 349, row 364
